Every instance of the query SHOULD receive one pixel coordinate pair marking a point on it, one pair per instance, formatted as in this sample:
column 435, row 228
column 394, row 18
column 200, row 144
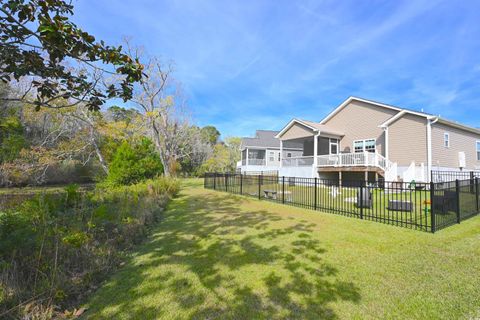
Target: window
column 271, row 156
column 289, row 155
column 333, row 146
column 478, row 150
column 367, row 145
column 446, row 140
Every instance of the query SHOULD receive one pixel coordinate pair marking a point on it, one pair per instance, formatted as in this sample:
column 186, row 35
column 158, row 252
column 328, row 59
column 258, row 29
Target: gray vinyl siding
column 460, row 140
column 358, row 121
column 408, row 140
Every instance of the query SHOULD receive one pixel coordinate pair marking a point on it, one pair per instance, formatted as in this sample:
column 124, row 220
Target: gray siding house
column 262, row 152
column 364, row 139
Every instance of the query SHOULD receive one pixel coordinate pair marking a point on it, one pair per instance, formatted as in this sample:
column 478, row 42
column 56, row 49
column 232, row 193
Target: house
column 262, row 152
column 364, row 139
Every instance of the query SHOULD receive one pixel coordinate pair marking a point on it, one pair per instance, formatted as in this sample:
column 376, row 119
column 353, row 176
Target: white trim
column 430, row 122
column 446, row 140
column 281, row 153
column 363, row 148
column 458, row 126
column 392, row 119
column 387, row 149
column 273, row 148
column 351, row 98
column 290, row 124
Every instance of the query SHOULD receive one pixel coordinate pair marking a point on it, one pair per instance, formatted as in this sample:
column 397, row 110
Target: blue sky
column 255, row 64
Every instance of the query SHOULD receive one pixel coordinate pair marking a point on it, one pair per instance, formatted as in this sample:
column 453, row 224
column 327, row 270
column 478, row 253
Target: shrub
column 133, row 163
column 55, row 249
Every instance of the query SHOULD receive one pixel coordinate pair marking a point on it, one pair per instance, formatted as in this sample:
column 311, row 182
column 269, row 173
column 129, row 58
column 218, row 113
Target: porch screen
column 323, row 146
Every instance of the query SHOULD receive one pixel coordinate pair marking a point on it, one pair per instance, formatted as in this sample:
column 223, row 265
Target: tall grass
column 55, row 249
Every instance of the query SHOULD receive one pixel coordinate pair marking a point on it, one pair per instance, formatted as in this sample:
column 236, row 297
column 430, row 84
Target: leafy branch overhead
column 39, row 41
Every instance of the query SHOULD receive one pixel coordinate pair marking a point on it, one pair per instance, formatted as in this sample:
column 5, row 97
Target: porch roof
column 314, row 127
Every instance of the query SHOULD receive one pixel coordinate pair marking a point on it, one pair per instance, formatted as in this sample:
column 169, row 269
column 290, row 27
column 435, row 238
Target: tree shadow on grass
column 195, row 265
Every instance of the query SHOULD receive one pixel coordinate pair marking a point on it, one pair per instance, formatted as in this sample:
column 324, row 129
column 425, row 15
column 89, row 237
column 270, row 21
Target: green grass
column 221, row 256
column 343, row 199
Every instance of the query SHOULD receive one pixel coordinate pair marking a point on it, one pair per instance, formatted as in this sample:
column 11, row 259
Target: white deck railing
column 256, row 162
column 298, row 161
column 364, row 159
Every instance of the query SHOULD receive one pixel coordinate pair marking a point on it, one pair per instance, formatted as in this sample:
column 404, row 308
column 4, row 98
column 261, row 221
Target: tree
column 210, row 134
column 159, row 98
column 12, row 139
column 224, row 157
column 133, row 163
column 38, row 41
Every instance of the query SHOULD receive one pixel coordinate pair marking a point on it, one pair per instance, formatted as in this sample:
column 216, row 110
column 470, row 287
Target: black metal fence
column 420, row 206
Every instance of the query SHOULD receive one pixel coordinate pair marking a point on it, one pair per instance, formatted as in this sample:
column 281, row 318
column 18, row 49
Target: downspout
column 315, row 154
column 430, row 122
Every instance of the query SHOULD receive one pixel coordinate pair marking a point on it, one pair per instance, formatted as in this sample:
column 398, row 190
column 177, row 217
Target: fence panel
column 420, row 206
column 439, row 176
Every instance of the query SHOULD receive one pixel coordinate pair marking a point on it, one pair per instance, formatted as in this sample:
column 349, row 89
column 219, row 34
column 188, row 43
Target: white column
column 281, row 153
column 386, row 143
column 315, row 150
column 246, row 162
column 429, row 149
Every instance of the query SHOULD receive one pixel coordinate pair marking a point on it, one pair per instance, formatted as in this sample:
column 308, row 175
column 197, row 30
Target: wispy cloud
column 256, row 64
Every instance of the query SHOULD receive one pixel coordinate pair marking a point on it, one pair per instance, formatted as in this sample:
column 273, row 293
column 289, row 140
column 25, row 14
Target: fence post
column 361, row 199
column 215, row 181
column 241, row 183
column 226, row 182
column 472, row 182
column 259, row 187
column 315, row 197
column 432, row 213
column 457, row 194
column 283, row 189
column 477, row 193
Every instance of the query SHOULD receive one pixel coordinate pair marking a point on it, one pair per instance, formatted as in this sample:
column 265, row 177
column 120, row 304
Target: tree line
column 60, row 120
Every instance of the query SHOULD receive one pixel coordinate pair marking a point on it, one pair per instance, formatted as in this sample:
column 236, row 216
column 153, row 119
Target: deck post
column 432, row 206
column 457, row 193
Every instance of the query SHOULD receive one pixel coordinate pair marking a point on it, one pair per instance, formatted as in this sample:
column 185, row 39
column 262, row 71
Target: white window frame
column 335, row 142
column 363, row 145
column 446, row 140
column 271, row 156
column 477, row 147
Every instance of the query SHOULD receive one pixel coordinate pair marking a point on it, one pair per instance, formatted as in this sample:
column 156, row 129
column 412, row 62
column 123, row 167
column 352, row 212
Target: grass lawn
column 221, row 256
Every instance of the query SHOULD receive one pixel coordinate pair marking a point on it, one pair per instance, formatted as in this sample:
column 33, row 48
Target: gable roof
column 401, row 113
column 379, row 104
column 314, row 126
column 265, row 139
